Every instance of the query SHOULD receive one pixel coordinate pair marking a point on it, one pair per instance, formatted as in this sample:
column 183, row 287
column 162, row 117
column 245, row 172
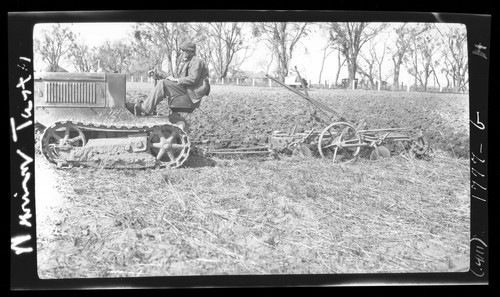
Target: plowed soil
column 239, row 116
column 265, row 216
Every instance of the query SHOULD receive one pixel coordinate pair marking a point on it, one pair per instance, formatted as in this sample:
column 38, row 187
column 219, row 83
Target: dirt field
column 235, row 116
column 262, row 215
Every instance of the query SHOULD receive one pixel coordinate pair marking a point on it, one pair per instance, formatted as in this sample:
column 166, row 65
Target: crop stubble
column 260, row 216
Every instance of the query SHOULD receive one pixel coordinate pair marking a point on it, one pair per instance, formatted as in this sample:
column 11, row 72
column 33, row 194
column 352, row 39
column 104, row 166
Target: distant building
column 241, row 75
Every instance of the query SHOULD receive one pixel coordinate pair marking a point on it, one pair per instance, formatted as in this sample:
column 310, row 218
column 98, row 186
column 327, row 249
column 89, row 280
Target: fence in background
column 327, row 84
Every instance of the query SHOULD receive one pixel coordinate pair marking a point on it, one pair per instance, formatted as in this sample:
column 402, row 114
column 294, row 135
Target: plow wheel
column 61, row 137
column 170, row 145
column 380, row 152
column 339, row 140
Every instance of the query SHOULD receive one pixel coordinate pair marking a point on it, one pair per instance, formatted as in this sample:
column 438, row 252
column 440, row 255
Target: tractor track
column 138, row 125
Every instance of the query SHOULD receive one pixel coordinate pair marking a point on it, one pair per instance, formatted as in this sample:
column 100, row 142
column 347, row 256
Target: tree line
column 427, row 51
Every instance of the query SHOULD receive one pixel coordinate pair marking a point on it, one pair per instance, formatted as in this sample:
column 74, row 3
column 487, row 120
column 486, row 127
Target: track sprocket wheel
column 60, row 137
column 170, row 145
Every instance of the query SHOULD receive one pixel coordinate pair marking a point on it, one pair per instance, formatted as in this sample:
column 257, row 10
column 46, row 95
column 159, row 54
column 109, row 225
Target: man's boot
column 130, row 107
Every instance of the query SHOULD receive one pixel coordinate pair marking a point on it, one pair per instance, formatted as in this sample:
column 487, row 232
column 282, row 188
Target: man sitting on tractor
column 192, row 83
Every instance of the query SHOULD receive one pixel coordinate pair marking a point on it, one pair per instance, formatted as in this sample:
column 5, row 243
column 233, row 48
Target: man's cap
column 188, row 46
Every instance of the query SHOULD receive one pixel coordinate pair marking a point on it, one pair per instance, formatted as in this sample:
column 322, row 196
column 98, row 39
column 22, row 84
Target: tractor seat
column 184, row 103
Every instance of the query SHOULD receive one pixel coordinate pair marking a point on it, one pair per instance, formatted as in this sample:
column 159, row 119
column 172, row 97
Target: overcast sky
column 307, row 56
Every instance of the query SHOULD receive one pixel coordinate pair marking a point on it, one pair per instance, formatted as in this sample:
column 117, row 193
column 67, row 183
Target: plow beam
column 321, row 106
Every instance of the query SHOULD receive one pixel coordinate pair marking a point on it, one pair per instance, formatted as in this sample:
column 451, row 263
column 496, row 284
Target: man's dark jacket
column 194, row 77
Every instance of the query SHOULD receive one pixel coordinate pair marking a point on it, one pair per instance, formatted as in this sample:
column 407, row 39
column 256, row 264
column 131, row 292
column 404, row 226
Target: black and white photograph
column 253, row 148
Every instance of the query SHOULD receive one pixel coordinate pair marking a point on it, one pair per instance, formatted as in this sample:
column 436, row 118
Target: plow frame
column 347, row 139
column 339, row 138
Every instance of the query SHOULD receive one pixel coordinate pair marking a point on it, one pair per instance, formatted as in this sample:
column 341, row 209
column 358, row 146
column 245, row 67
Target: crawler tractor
column 86, row 121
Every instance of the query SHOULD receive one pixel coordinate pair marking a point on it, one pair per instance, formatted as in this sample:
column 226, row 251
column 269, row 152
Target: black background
column 482, row 74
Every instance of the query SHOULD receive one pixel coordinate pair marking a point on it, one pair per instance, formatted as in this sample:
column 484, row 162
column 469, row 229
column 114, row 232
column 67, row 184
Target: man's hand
column 171, row 78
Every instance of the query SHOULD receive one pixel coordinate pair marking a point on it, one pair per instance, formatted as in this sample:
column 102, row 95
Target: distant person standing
column 192, row 82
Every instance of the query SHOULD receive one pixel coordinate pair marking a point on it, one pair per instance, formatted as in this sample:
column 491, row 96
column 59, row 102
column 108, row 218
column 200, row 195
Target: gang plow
column 343, row 141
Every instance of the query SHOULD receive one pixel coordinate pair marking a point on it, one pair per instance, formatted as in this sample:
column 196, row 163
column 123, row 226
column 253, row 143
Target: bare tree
column 160, row 41
column 341, row 64
column 421, row 57
column 351, row 37
column 434, row 73
column 220, row 43
column 114, row 57
column 379, row 60
column 265, row 64
column 147, row 47
column 455, row 63
column 82, row 56
column 328, row 49
column 405, row 34
column 373, row 57
column 369, row 71
column 54, row 45
column 282, row 38
column 239, row 59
